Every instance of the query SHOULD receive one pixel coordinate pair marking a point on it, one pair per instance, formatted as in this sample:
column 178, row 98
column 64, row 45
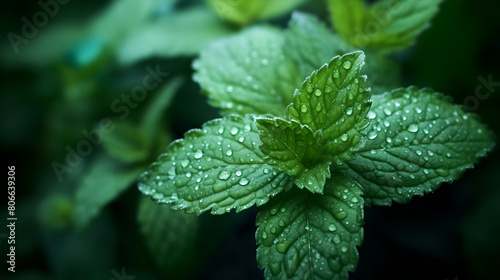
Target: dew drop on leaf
column 224, row 174
column 332, row 227
column 244, row 181
column 184, row 163
column 413, row 128
column 347, row 65
column 371, row 115
column 234, row 131
column 372, row 135
column 198, row 154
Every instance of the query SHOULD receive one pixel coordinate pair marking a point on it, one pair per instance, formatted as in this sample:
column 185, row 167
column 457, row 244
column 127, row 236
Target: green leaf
column 248, row 73
column 219, row 167
column 152, row 119
column 311, row 236
column 169, row 235
column 244, row 12
column 417, row 140
column 310, row 43
column 347, row 14
column 389, row 25
column 293, row 148
column 126, row 143
column 104, row 182
column 333, row 102
column 183, row 33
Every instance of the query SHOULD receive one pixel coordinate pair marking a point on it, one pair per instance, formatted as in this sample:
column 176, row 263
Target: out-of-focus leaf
column 244, row 12
column 126, row 143
column 169, row 235
column 152, row 118
column 105, row 181
column 56, row 212
column 181, row 34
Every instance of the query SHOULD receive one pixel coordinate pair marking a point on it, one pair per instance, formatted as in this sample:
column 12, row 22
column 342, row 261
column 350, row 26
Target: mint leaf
column 182, row 33
column 347, row 14
column 333, row 102
column 152, row 119
column 388, row 25
column 248, row 73
column 310, row 43
column 169, row 235
column 244, row 12
column 417, row 140
column 310, row 236
column 104, row 182
column 219, row 167
column 126, row 143
column 293, row 148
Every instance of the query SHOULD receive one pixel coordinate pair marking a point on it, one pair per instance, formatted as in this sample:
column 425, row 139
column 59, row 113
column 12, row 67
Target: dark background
column 450, row 234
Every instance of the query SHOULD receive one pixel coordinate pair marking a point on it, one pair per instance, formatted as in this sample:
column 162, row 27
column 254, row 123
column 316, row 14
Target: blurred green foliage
column 63, row 81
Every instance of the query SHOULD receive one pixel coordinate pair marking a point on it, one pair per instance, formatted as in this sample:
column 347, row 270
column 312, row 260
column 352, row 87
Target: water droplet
column 418, row 110
column 418, row 152
column 318, row 107
column 229, row 89
column 430, row 153
column 371, row 115
column 336, row 239
column 397, row 104
column 425, row 171
column 264, row 61
column 343, row 249
column 332, row 227
column 282, row 246
column 266, row 171
column 317, row 92
column 412, row 176
column 238, row 173
column 244, row 181
column 221, row 130
column 171, row 171
column 347, row 65
column 234, row 131
column 387, row 111
column 309, row 88
column 413, row 128
column 387, row 124
column 349, row 111
column 188, row 174
column 443, row 172
column 264, row 235
column 198, row 154
column 354, row 199
column 340, row 215
column 224, row 174
column 388, row 139
column 344, row 137
column 303, row 108
column 229, row 152
column 281, row 223
column 372, row 135
column 336, row 74
column 273, row 229
column 158, row 196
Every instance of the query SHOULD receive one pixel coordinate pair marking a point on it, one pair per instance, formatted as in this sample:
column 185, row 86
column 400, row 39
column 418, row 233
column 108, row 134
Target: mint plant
column 310, row 144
